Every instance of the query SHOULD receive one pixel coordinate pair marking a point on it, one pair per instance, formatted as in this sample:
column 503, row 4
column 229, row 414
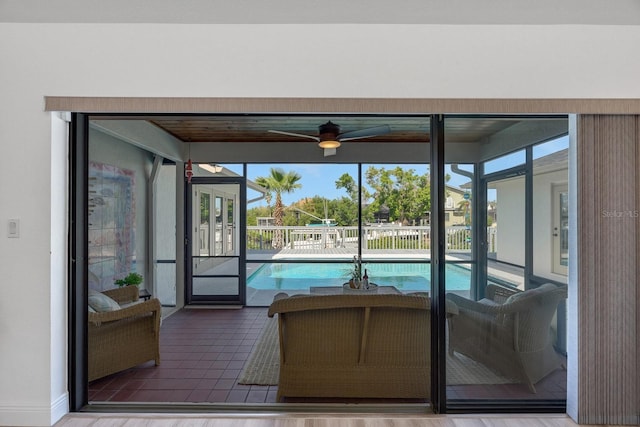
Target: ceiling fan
column 329, row 137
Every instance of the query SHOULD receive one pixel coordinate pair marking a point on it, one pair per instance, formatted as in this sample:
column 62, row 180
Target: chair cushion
column 540, row 289
column 100, row 302
column 130, row 303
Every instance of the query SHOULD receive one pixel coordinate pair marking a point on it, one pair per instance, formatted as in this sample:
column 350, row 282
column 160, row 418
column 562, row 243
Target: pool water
column 405, row 277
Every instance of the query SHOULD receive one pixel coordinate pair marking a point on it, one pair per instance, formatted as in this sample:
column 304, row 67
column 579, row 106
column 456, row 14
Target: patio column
column 604, row 369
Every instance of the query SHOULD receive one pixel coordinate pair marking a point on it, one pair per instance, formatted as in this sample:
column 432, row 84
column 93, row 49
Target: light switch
column 13, row 230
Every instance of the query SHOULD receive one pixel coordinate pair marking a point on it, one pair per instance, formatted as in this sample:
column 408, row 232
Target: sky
column 319, row 179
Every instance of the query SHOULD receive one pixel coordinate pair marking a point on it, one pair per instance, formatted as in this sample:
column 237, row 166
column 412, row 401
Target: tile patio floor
column 203, row 352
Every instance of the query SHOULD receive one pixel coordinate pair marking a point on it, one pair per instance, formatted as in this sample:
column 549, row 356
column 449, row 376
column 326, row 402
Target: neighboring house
column 264, row 221
column 457, row 208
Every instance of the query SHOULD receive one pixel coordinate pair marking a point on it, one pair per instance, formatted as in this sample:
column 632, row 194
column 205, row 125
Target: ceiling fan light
column 329, row 143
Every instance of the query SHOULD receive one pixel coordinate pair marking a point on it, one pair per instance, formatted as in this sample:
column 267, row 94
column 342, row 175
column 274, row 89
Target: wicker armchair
column 511, row 335
column 354, row 346
column 123, row 338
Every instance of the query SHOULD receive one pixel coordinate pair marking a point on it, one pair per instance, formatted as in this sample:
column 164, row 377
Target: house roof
column 557, row 160
column 551, row 162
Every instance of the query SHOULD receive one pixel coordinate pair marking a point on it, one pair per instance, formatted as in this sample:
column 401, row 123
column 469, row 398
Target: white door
column 216, row 271
column 560, row 208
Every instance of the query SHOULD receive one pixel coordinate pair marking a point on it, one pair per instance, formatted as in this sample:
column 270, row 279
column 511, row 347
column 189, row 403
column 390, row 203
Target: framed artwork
column 112, row 219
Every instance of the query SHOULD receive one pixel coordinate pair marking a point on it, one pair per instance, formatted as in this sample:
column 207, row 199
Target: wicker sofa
column 121, row 339
column 353, row 346
column 509, row 332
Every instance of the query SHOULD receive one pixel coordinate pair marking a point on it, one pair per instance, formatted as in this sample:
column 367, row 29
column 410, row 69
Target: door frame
column 240, row 298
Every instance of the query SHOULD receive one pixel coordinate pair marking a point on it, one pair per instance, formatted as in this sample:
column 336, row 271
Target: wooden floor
column 308, row 420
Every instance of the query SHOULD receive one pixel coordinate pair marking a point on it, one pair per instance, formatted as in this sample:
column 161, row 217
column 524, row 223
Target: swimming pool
column 405, row 277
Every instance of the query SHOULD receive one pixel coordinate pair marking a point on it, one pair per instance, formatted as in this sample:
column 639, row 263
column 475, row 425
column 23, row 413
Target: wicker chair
column 509, row 334
column 124, row 338
column 353, row 346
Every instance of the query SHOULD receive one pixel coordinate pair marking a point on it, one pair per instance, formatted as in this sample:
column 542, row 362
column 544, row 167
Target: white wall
column 510, row 223
column 449, row 61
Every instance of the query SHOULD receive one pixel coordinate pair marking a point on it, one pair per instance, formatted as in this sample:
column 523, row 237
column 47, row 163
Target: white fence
column 376, row 237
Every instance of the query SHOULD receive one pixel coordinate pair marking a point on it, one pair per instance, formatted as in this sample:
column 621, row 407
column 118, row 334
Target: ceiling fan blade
column 315, row 138
column 364, row 133
column 329, row 152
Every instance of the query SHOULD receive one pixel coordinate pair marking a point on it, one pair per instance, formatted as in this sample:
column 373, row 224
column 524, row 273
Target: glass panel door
column 501, row 341
column 560, row 229
column 218, row 220
column 230, row 225
column 203, row 240
column 550, row 210
column 216, row 271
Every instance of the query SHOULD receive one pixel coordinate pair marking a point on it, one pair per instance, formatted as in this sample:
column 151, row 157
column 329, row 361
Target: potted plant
column 131, row 279
column 356, row 273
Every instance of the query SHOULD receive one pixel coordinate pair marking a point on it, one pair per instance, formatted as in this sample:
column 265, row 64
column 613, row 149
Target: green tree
column 291, row 218
column 347, row 182
column 344, row 211
column 405, row 193
column 465, row 206
column 315, row 207
column 255, row 239
column 310, row 210
column 279, row 182
column 254, row 213
column 346, row 208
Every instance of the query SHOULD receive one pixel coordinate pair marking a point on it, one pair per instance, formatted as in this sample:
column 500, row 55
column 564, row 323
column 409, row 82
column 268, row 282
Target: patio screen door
column 215, row 268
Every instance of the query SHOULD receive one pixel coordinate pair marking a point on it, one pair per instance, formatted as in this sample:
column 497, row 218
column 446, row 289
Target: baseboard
column 30, row 415
column 59, row 408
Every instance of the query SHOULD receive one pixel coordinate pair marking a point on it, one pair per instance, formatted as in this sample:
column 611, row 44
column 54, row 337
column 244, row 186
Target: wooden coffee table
column 332, row 290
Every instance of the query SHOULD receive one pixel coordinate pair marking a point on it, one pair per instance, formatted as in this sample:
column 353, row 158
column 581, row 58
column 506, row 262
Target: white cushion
column 129, row 304
column 100, row 302
column 536, row 291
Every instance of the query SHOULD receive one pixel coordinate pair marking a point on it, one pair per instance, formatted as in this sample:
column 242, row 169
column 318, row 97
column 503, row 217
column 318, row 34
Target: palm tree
column 279, row 182
column 465, row 207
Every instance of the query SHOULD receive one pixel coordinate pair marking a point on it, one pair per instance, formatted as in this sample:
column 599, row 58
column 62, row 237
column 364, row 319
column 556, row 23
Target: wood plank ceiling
column 256, row 128
column 238, row 128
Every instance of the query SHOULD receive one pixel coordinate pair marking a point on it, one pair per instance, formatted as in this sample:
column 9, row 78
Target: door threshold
column 213, row 306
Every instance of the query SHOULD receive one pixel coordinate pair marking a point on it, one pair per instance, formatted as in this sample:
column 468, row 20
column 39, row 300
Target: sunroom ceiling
column 404, row 129
column 240, row 138
column 256, row 128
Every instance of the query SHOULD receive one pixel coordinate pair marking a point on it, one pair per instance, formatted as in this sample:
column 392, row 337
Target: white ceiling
column 436, row 12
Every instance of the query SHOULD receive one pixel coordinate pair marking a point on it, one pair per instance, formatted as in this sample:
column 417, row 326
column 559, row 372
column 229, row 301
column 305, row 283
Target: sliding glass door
column 505, row 333
column 492, row 208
